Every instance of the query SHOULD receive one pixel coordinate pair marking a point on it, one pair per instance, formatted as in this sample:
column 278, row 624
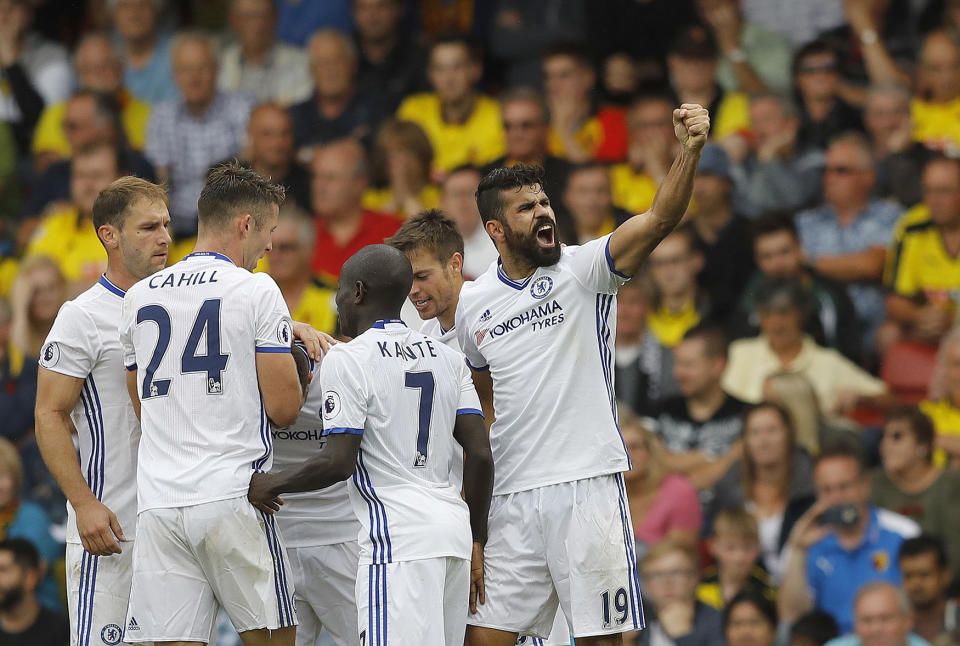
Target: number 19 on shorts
column 620, row 609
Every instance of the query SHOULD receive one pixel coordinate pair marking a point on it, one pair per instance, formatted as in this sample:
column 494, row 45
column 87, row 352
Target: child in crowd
column 735, row 547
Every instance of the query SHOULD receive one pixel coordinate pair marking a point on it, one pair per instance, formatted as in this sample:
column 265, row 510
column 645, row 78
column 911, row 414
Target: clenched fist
column 691, row 123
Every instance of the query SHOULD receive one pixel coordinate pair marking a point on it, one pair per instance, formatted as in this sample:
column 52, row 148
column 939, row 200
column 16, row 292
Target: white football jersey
column 191, row 332
column 548, row 343
column 83, row 343
column 311, row 518
column 402, row 391
column 433, row 329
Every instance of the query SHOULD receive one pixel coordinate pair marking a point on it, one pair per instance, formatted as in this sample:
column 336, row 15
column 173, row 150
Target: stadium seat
column 907, row 368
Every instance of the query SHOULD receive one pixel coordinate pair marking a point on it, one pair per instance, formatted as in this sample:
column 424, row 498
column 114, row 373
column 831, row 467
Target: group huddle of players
column 355, row 485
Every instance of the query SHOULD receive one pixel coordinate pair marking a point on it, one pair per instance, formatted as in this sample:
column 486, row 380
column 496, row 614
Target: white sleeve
column 72, row 346
column 344, row 395
column 593, row 268
column 274, row 327
column 466, row 339
column 469, row 403
column 127, row 324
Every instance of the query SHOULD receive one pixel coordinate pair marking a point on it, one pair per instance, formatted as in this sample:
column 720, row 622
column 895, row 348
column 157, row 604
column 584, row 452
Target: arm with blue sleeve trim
column 633, row 240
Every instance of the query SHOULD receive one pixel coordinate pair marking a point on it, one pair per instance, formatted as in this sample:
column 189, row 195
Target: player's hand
column 477, row 593
column 315, row 341
column 99, row 529
column 260, row 494
column 691, row 123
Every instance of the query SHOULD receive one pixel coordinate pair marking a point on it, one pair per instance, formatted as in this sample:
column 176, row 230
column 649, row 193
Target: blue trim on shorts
column 379, row 534
column 88, row 583
column 265, row 437
column 635, row 603
column 284, row 598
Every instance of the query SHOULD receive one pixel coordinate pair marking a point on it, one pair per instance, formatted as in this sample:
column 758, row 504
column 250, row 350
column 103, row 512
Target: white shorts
column 559, row 634
column 188, row 561
column 413, row 602
column 98, row 588
column 325, row 579
column 569, row 544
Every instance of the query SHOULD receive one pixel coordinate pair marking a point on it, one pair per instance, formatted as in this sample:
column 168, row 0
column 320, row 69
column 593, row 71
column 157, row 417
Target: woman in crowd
column 910, row 484
column 402, row 156
column 773, row 480
column 796, row 394
column 37, row 294
column 750, row 619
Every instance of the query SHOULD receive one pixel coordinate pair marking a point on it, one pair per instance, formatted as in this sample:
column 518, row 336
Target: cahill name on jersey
column 548, row 343
column 402, row 391
column 191, row 332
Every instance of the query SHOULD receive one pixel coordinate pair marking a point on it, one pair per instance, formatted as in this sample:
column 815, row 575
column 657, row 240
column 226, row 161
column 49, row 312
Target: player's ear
column 244, row 224
column 359, row 292
column 109, row 236
column 456, row 262
column 494, row 229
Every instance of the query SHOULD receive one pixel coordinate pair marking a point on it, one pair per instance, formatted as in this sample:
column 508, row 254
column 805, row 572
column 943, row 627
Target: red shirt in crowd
column 328, row 256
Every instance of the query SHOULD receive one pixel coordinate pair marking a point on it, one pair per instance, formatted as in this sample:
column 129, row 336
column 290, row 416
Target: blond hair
column 738, row 521
column 666, row 547
column 795, row 393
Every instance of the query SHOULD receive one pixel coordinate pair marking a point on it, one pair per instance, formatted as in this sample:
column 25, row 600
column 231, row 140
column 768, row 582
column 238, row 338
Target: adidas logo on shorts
column 133, row 624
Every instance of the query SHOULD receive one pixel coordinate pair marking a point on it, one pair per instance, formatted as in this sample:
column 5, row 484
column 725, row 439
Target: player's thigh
column 481, row 636
column 285, row 636
column 519, row 591
column 243, row 557
column 326, row 577
column 98, row 589
column 402, row 603
column 170, row 598
column 592, row 557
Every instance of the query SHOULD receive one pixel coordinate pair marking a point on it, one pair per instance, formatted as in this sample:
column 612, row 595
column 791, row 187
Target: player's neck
column 448, row 317
column 703, row 406
column 209, row 244
column 119, row 276
column 515, row 268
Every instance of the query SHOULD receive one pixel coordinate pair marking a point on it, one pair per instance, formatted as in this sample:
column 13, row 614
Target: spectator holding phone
column 841, row 543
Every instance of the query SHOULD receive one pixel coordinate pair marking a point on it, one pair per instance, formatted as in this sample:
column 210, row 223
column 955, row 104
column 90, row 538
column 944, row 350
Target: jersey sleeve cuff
column 613, row 269
column 132, row 367
column 473, row 367
column 271, row 349
column 340, row 430
column 469, row 411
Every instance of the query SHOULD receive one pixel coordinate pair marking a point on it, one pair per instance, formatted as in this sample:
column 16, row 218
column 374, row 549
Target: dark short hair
column 575, row 51
column 774, row 222
column 713, row 337
column 813, row 48
column 489, row 199
column 755, row 598
column 113, row 202
column 25, row 555
column 774, row 291
column 920, row 424
column 840, row 448
column 450, row 38
column 924, row 544
column 430, row 230
column 817, row 625
column 232, row 189
column 655, row 95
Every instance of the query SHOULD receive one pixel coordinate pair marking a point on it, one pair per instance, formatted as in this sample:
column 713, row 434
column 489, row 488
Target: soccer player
column 319, row 528
column 80, row 385
column 207, row 347
column 394, row 403
column 542, row 321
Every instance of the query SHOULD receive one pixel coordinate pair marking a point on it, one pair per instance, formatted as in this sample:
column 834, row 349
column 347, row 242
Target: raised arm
column 633, row 240
column 57, row 394
column 279, row 386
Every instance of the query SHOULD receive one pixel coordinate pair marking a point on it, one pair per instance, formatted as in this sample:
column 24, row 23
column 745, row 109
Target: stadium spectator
column 402, row 158
column 680, row 305
column 773, row 479
column 900, row 159
column 801, row 23
column 463, row 125
column 692, row 61
column 781, row 306
column 391, row 63
column 924, row 271
column 526, row 127
column 98, row 68
column 926, row 579
column 937, row 93
column 271, row 152
column 778, row 174
column 817, row 84
column 23, row 620
column 669, row 571
column 187, row 136
column 846, row 238
column 796, row 394
column 663, row 504
column 9, row 184
column 343, row 226
column 831, row 555
column 701, row 428
column 620, row 79
column 148, row 69
column 18, row 381
column 580, row 130
column 25, row 519
column 67, row 234
column 590, row 202
column 458, row 202
column 911, row 485
column 643, row 367
column 89, row 117
column 651, row 149
column 943, row 405
column 778, row 254
column 36, row 296
column 289, row 265
column 721, row 234
column 34, row 71
column 750, row 619
column 255, row 64
column 336, row 108
column 754, row 58
column 882, row 616
column 814, row 628
column 734, row 544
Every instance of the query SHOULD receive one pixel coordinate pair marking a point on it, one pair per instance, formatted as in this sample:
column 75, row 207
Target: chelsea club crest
column 541, row 287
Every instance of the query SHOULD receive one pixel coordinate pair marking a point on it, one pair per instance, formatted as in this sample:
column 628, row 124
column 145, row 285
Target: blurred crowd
column 788, row 363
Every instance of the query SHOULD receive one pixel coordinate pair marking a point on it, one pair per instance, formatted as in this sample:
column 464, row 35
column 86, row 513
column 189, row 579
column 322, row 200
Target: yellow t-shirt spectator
column 72, row 242
column 946, row 421
column 48, row 137
column 921, row 266
column 936, row 125
column 669, row 326
column 733, row 116
column 316, row 308
column 632, row 191
column 381, row 200
column 8, row 272
column 478, row 141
